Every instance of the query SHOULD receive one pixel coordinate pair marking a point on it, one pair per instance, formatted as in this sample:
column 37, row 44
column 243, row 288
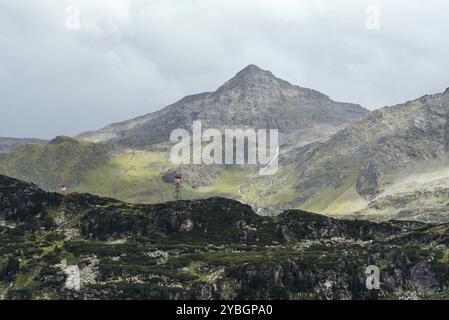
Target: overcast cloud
column 132, row 57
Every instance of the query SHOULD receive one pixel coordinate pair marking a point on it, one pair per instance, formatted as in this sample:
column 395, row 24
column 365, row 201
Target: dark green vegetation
column 206, row 249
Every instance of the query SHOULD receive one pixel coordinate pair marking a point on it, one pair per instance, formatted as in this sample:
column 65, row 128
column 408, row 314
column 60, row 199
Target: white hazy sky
column 132, row 57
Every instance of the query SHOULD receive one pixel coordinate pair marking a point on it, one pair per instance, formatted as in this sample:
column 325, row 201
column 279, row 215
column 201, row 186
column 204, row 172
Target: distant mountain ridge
column 253, row 98
column 8, row 144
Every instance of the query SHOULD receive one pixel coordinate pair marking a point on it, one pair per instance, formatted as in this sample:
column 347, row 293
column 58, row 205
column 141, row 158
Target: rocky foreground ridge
column 87, row 247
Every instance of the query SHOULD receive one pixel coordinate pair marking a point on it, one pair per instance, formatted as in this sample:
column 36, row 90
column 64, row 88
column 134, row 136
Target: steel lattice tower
column 178, row 187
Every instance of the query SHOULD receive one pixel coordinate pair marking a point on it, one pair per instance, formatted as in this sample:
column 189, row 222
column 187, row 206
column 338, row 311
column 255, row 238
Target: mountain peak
column 251, row 68
column 253, row 76
column 253, row 97
column 252, row 71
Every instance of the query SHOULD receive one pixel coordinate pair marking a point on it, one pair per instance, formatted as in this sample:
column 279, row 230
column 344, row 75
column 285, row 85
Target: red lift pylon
column 178, row 187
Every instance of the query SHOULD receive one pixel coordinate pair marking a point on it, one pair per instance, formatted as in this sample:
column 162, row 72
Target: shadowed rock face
column 22, row 201
column 253, row 98
column 87, row 247
column 368, row 184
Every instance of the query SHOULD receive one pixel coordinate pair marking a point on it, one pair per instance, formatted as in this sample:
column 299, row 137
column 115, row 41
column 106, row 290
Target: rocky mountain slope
column 253, row 98
column 394, row 153
column 122, row 164
column 86, row 247
column 391, row 163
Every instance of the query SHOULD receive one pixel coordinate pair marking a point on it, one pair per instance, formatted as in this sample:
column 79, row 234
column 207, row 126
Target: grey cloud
column 133, row 57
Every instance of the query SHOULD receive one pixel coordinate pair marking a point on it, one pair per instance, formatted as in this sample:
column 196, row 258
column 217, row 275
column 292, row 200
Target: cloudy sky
column 127, row 58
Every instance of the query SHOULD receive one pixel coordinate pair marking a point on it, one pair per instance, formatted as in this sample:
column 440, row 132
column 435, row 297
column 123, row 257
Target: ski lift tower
column 178, row 187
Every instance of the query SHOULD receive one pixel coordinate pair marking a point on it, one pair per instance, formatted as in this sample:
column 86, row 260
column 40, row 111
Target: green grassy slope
column 129, row 175
column 62, row 160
